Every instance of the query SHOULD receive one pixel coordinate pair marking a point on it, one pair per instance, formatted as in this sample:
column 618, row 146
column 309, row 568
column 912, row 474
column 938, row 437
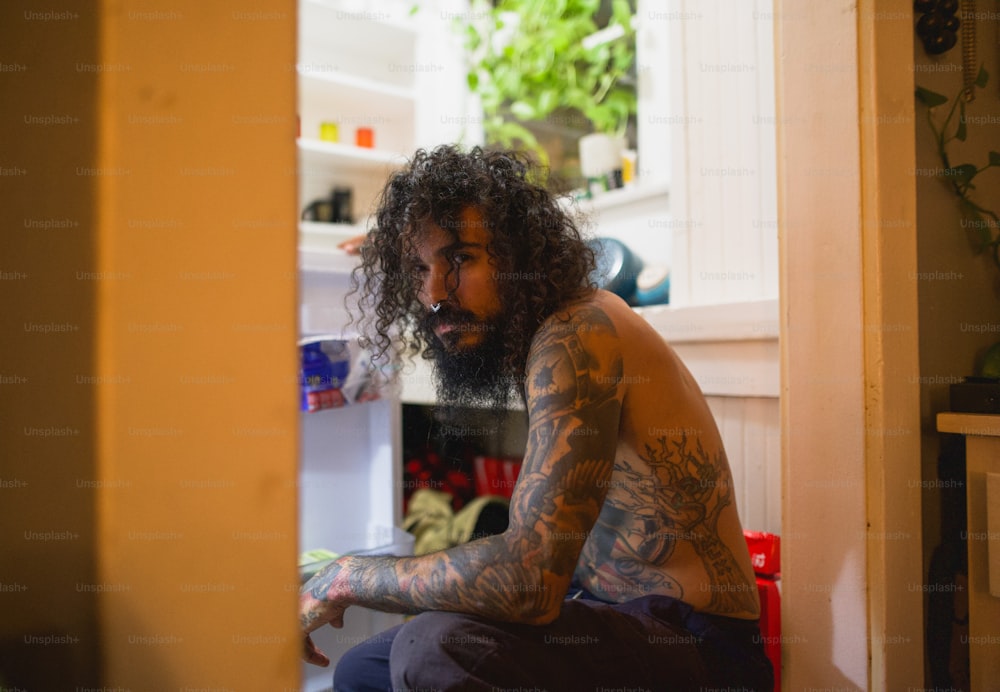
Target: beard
column 468, row 376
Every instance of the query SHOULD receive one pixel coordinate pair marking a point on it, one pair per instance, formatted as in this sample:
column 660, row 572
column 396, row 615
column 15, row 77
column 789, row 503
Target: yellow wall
column 170, row 401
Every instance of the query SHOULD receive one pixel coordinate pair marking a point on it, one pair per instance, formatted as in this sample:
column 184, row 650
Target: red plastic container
column 765, row 555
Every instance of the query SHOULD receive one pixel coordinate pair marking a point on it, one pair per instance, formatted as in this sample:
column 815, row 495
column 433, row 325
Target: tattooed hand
column 317, row 608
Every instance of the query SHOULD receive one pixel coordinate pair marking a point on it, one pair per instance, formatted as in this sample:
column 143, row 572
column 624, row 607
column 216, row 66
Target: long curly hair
column 534, row 242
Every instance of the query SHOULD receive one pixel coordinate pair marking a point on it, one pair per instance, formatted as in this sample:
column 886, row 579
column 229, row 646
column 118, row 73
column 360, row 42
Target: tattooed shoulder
column 576, row 349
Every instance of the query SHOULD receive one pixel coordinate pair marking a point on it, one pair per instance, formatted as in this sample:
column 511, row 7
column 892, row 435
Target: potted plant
column 533, row 61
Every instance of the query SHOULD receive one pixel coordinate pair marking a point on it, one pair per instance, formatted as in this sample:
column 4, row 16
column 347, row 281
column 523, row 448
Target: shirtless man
column 624, row 562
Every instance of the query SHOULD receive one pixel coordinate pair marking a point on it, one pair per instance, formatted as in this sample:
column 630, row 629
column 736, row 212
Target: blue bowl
column 617, row 267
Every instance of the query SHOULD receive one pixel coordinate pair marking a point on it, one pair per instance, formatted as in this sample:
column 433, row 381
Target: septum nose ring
column 435, row 307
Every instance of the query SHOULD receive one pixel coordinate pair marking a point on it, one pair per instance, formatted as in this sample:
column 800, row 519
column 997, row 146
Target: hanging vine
column 982, row 221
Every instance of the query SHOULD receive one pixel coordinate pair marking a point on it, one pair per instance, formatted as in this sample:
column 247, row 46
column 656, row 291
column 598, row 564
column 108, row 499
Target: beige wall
column 149, row 406
column 824, row 609
column 851, row 524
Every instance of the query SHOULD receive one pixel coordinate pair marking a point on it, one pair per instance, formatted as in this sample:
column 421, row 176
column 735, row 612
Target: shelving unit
column 352, row 73
column 351, row 476
column 371, row 65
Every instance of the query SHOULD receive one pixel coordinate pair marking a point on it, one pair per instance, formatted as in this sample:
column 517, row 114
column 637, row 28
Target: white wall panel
column 724, row 184
column 750, row 432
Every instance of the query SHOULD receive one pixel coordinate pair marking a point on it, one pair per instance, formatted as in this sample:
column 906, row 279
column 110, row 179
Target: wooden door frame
column 849, row 336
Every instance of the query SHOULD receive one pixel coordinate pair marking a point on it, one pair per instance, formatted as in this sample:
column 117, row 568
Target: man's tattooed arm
column 574, row 397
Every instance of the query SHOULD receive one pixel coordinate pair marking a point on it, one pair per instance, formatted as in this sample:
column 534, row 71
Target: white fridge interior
column 380, row 70
column 350, row 472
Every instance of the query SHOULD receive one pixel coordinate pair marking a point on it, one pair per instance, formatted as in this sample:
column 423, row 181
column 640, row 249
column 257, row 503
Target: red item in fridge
column 496, row 476
column 324, row 398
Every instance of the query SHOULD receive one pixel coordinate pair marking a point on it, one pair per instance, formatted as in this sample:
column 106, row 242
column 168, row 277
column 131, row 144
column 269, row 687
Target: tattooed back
column 668, row 523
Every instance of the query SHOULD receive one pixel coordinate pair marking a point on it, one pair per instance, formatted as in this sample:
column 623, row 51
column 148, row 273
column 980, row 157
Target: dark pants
column 650, row 643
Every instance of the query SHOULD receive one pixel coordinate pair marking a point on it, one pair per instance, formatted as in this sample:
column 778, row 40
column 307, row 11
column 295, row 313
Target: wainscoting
column 752, row 435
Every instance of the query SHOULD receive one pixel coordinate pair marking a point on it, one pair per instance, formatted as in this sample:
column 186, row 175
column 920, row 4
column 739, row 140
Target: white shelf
column 323, row 238
column 353, row 101
column 390, row 15
column 355, row 39
column 637, row 193
column 326, row 261
column 347, row 81
column 752, row 320
column 313, row 151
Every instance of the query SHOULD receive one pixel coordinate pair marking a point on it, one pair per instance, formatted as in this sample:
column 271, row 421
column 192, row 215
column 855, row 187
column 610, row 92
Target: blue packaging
column 321, row 378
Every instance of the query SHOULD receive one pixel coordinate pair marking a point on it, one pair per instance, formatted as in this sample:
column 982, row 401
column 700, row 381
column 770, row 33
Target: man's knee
column 437, row 650
column 365, row 667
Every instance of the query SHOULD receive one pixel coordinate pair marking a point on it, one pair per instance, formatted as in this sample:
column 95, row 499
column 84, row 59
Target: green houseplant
column 982, row 221
column 533, row 60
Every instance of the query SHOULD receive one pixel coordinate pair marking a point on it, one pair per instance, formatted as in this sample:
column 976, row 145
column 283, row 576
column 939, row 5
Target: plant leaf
column 930, row 98
column 540, row 64
column 548, row 99
column 960, row 131
column 983, row 77
column 995, row 158
column 523, row 110
column 978, row 227
column 472, row 38
column 961, row 174
column 622, row 13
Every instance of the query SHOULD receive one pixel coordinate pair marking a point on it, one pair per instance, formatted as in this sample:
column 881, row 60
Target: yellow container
column 628, row 166
column 329, row 132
